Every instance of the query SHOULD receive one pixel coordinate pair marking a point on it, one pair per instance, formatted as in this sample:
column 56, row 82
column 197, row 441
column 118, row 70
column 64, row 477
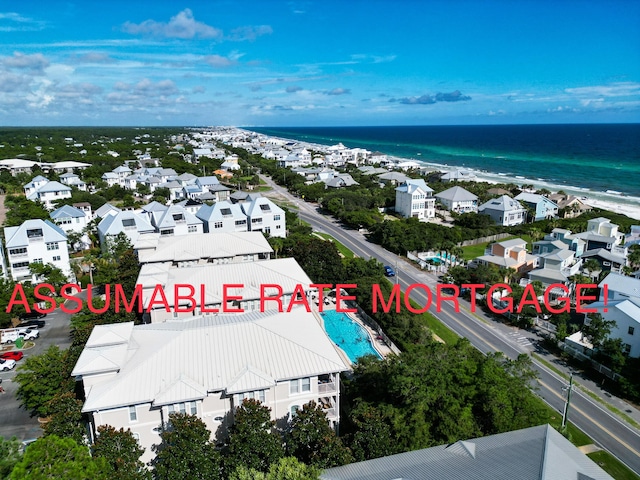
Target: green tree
column 42, row 377
column 122, row 453
column 318, row 258
column 9, row 455
column 372, row 436
column 252, row 442
column 55, row 457
column 597, row 328
column 48, row 273
column 312, row 441
column 287, row 468
column 185, row 450
column 66, row 420
column 20, row 209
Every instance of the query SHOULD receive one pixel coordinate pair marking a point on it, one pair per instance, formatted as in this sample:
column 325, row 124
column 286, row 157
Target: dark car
column 32, row 323
column 32, row 315
column 389, row 272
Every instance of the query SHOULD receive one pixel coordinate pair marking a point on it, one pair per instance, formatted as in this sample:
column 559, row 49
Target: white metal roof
column 179, row 361
column 198, row 246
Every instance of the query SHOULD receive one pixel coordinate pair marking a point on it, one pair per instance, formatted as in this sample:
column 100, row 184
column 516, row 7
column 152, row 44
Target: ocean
column 585, row 158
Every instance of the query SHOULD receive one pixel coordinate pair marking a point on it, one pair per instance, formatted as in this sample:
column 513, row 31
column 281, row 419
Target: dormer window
column 265, row 208
column 35, row 233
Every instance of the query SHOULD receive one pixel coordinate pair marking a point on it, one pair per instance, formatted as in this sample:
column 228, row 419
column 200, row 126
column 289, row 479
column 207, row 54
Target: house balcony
column 327, row 388
column 19, row 255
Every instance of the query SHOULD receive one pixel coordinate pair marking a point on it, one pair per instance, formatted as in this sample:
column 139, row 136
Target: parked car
column 6, row 364
column 29, row 333
column 32, row 323
column 389, row 272
column 14, row 355
column 32, row 315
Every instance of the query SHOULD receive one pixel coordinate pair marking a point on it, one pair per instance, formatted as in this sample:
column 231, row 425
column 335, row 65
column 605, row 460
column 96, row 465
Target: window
column 178, row 217
column 255, row 395
column 294, row 386
column 256, row 220
column 168, row 231
column 294, row 410
column 217, row 225
column 193, row 408
column 192, row 229
column 240, row 223
column 276, row 218
column 56, row 258
column 225, row 212
column 300, row 385
column 265, row 208
column 267, row 229
column 631, row 330
column 20, row 265
column 306, row 384
column 278, row 227
column 128, row 222
column 626, row 348
column 34, row 233
column 18, row 251
column 53, row 246
column 133, row 415
column 37, row 260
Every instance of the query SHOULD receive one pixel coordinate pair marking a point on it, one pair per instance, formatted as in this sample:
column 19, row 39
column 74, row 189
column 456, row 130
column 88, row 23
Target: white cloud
column 249, row 33
column 620, row 89
column 35, row 63
column 183, row 25
column 219, row 61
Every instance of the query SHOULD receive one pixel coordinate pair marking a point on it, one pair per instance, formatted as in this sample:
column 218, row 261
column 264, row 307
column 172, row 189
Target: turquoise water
column 590, row 157
column 348, row 335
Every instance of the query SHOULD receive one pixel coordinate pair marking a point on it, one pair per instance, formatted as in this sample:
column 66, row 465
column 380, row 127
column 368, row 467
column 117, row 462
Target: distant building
column 415, row 199
column 541, row 205
column 130, row 223
column 504, row 211
column 458, row 200
column 48, row 192
column 264, row 216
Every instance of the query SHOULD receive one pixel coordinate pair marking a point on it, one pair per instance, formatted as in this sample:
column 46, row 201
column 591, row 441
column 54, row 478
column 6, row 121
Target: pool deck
column 377, row 343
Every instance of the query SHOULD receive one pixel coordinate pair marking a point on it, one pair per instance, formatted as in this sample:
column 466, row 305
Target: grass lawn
column 341, row 248
column 474, row 251
column 612, row 466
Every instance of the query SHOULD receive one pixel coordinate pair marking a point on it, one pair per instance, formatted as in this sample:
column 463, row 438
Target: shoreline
column 610, row 201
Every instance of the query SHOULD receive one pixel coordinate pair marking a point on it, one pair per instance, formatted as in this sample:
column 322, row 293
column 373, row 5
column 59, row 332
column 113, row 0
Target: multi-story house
column 601, row 233
column 458, row 200
column 264, row 216
column 130, row 223
column 415, row 199
column 48, row 192
column 504, row 211
column 223, row 217
column 557, row 266
column 73, row 180
column 175, row 220
column 135, row 376
column 542, row 207
column 35, row 241
column 509, row 254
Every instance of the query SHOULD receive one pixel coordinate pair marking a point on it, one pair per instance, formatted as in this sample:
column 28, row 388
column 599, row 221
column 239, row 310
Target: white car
column 6, row 364
column 28, row 333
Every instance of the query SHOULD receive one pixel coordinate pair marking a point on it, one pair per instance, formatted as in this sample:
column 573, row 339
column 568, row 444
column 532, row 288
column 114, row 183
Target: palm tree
column 591, row 265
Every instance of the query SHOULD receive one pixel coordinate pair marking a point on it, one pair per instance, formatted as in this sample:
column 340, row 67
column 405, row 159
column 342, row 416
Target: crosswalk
column 520, row 339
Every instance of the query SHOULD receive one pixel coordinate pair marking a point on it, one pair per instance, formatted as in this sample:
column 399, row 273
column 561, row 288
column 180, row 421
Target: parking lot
column 15, row 420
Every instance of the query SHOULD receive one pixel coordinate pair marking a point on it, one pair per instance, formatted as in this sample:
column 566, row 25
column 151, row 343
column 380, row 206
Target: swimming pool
column 348, row 335
column 439, row 258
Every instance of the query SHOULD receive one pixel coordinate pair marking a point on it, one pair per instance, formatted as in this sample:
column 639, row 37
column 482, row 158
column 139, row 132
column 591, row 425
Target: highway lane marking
column 553, row 391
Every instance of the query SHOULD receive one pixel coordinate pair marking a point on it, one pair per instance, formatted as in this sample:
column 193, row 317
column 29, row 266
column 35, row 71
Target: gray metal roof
column 179, row 361
column 456, row 194
column 17, row 236
column 536, row 453
column 628, row 286
column 503, row 204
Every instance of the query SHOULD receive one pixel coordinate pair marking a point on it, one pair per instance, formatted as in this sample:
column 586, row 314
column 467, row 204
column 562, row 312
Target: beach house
column 541, row 207
column 504, row 211
column 509, row 254
column 414, row 199
column 458, row 200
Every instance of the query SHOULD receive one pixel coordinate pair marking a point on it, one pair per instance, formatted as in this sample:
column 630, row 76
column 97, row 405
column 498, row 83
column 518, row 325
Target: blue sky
column 297, row 63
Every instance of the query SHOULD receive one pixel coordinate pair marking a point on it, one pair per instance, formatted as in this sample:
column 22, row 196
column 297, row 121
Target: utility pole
column 567, row 403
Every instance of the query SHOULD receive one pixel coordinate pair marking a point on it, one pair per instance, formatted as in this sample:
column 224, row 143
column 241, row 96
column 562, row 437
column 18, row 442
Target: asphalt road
column 606, row 430
column 14, row 419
